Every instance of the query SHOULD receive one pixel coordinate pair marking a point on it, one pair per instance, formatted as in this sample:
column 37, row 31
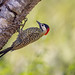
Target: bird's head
column 44, row 27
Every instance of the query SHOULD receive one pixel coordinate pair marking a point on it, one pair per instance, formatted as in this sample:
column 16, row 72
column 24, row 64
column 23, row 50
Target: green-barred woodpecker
column 27, row 36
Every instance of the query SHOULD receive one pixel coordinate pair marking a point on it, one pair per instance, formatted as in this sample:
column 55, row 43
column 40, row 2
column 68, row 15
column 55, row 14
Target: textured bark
column 12, row 12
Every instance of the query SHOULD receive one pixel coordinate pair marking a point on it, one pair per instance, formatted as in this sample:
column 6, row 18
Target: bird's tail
column 3, row 52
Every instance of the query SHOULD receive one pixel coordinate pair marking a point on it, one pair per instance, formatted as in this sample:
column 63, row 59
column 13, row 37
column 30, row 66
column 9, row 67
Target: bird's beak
column 39, row 23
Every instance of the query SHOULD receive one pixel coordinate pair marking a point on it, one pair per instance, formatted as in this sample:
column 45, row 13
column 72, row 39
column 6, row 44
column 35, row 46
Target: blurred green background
column 53, row 54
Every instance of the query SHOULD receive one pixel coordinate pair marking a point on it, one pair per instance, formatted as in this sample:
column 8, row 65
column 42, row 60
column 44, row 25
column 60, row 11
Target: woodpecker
column 27, row 36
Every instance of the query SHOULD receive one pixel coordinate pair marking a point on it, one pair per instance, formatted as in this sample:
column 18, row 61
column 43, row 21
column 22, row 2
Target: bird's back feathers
column 26, row 37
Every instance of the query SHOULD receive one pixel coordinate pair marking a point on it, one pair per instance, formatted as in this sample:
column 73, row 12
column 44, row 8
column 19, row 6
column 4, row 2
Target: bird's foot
column 25, row 20
column 20, row 30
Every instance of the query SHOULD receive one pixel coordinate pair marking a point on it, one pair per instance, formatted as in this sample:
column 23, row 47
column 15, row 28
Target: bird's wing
column 26, row 39
column 28, row 32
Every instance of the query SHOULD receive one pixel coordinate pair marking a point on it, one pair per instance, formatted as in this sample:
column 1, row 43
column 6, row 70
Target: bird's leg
column 25, row 20
column 20, row 30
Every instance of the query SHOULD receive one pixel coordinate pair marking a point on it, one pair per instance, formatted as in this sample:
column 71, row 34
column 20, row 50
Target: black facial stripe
column 41, row 28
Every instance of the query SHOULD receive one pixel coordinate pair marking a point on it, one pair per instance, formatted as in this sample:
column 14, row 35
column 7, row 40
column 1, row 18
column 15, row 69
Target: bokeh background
column 53, row 54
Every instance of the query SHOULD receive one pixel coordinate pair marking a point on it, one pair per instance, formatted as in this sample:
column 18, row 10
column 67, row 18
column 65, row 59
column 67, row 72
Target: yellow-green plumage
column 26, row 37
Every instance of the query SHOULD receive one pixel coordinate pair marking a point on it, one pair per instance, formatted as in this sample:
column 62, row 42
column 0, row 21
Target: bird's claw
column 20, row 30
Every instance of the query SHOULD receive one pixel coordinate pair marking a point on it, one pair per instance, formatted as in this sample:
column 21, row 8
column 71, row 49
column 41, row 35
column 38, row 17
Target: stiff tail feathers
column 3, row 52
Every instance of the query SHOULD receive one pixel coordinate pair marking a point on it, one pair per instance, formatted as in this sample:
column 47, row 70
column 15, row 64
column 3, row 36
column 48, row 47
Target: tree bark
column 12, row 12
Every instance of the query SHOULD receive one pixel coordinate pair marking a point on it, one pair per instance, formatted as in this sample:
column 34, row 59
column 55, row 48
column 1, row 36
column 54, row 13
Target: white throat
column 44, row 29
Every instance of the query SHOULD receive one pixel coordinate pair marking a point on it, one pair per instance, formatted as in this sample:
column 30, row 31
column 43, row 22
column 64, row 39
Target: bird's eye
column 42, row 24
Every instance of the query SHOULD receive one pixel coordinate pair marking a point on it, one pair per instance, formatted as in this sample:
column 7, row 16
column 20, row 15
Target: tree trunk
column 12, row 12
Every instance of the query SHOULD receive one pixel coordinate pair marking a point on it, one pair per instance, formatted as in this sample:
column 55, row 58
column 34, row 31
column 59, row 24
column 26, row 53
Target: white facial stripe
column 44, row 29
